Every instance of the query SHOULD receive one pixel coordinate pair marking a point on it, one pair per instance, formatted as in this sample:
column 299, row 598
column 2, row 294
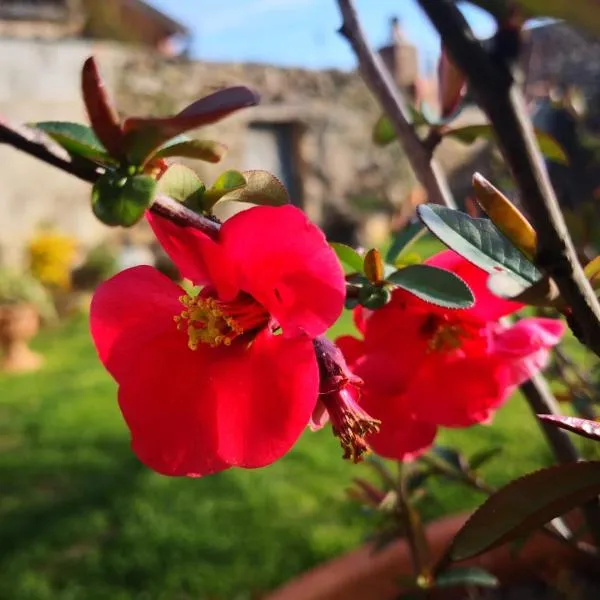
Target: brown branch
column 36, row 144
column 383, row 87
column 499, row 96
column 536, row 391
column 501, row 99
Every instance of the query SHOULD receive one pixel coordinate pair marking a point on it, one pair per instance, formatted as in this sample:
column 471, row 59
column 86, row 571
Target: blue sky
column 300, row 32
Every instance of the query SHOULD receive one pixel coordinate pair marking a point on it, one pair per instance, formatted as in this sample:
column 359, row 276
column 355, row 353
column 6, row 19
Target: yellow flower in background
column 51, row 258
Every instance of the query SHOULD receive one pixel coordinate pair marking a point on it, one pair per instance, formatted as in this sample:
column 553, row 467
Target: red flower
column 424, row 366
column 228, row 377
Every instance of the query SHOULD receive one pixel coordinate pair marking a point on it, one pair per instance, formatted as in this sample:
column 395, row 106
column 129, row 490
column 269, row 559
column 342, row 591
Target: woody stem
column 35, row 144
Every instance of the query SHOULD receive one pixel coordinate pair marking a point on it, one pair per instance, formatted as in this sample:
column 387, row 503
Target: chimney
column 396, row 34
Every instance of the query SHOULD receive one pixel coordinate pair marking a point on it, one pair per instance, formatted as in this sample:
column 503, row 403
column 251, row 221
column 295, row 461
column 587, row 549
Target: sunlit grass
column 80, row 518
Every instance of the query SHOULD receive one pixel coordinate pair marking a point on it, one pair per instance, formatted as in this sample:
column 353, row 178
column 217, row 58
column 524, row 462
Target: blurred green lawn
column 80, row 518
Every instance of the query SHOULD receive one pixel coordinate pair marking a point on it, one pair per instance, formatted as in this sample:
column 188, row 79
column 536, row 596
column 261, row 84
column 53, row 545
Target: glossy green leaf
column 225, row 183
column 262, row 188
column 524, row 505
column 549, row 147
column 205, row 150
column 479, row 241
column 449, row 456
column 466, row 576
column 122, row 200
column 351, row 260
column 76, row 139
column 483, row 456
column 434, row 285
column 143, row 136
column 583, row 427
column 581, row 13
column 403, row 239
column 180, row 183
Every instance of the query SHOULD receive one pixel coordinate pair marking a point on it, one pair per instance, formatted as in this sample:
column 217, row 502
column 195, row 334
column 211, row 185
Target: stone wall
column 333, row 110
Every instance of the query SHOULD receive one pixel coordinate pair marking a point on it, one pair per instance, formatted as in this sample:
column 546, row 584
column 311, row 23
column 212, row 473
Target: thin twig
column 35, row 144
column 382, row 85
column 500, row 97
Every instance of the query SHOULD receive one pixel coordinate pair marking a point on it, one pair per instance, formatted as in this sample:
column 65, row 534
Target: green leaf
column 261, row 188
column 351, row 260
column 383, row 130
column 582, row 13
column 583, row 427
column 466, row 576
column 449, row 456
column 404, row 239
column 483, row 456
column 549, row 147
column 76, row 139
column 224, row 184
column 479, row 241
column 122, row 200
column 434, row 285
column 143, row 136
column 205, row 150
column 524, row 505
column 180, row 183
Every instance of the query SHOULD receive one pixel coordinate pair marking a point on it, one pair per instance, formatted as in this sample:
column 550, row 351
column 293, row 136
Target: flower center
column 442, row 334
column 350, row 423
column 208, row 320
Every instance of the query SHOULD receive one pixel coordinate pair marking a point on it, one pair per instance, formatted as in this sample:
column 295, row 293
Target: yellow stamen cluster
column 446, row 338
column 206, row 323
column 442, row 335
column 352, row 432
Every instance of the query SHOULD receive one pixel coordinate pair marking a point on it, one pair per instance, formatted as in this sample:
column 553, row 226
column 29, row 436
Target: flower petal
column 128, row 311
column 525, row 346
column 458, row 392
column 394, row 348
column 352, row 348
column 196, row 412
column 265, row 394
column 487, row 306
column 199, row 258
column 168, row 403
column 284, row 262
column 401, row 436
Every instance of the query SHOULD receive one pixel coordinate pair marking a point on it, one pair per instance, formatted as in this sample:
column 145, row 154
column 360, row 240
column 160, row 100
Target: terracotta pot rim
column 362, row 574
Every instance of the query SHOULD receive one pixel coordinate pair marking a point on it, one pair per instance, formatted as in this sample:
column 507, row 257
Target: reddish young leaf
column 452, row 85
column 582, row 427
column 102, row 114
column 145, row 135
column 524, row 505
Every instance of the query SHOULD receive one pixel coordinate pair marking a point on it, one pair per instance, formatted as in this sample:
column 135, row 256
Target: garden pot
column 18, row 325
column 365, row 574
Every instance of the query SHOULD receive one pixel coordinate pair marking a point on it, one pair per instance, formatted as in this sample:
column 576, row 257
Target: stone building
column 130, row 21
column 312, row 129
